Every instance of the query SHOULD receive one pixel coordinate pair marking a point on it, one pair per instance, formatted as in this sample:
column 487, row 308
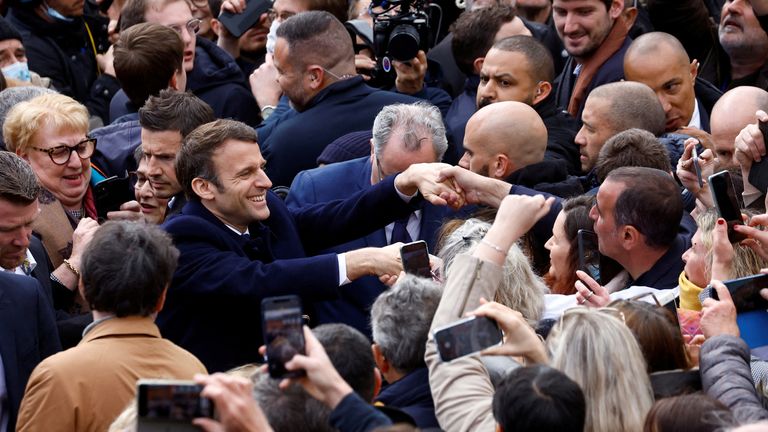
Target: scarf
column 55, row 227
column 589, row 68
column 689, row 294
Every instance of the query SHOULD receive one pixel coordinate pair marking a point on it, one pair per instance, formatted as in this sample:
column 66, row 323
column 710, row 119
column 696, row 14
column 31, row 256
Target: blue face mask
column 272, row 36
column 18, row 71
column 53, row 13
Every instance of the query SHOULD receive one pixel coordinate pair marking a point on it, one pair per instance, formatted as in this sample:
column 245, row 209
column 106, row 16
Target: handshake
column 443, row 184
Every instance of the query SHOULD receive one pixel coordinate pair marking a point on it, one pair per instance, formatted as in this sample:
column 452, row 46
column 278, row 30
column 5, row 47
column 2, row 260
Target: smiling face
column 68, row 182
column 583, row 25
column 240, row 198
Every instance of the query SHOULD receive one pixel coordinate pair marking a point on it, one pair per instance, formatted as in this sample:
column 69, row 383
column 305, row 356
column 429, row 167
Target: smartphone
column 416, row 259
column 171, row 405
column 744, row 291
column 111, row 193
column 675, row 382
column 697, row 166
column 727, row 203
column 465, row 337
column 589, row 253
column 281, row 322
column 758, row 173
column 239, row 23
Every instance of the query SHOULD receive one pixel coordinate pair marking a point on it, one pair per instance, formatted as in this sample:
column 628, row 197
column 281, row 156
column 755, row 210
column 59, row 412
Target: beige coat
column 461, row 389
column 84, row 388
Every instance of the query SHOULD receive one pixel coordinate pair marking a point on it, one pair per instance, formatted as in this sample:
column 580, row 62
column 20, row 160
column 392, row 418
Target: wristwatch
column 267, row 111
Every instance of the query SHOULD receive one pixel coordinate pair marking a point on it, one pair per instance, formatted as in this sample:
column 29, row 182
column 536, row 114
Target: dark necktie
column 399, row 232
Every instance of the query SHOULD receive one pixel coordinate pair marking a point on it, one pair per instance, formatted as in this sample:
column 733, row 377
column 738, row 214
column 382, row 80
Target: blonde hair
column 521, row 289
column 26, row 118
column 745, row 261
column 595, row 349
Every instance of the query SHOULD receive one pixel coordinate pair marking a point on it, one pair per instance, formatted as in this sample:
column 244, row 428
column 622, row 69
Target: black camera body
column 400, row 37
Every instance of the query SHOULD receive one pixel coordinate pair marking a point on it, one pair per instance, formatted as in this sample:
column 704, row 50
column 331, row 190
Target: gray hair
column 400, row 320
column 18, row 183
column 412, row 120
column 13, row 95
column 291, row 409
column 521, row 289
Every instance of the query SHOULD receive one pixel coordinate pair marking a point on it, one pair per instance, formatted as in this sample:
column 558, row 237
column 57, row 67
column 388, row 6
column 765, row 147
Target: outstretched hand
column 519, row 338
column 474, row 188
column 425, row 178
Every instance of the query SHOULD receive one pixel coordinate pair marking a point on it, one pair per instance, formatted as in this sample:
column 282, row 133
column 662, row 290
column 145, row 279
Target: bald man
column 502, row 138
column 659, row 61
column 735, row 110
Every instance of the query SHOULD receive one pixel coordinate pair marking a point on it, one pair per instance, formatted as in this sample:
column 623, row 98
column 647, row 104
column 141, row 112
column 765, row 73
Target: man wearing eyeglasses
column 212, row 75
column 402, row 135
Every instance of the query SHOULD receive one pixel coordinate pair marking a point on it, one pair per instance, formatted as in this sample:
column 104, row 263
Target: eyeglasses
column 60, row 155
column 192, row 26
column 273, row 15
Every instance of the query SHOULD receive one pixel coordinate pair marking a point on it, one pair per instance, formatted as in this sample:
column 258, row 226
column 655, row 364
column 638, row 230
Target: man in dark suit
column 316, row 71
column 27, row 336
column 23, row 254
column 402, row 135
column 239, row 242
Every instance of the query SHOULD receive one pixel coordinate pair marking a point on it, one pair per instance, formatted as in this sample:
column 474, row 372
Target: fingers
column 764, row 292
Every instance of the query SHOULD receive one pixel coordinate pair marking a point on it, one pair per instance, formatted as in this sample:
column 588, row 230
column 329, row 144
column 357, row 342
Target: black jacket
column 62, row 51
column 561, row 132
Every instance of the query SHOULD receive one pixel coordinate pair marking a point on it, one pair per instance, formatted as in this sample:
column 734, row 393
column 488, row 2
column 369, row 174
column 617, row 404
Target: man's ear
column 174, row 83
column 543, row 89
column 315, row 76
column 630, row 15
column 694, row 70
column 502, row 166
column 161, row 300
column 203, row 188
column 477, row 65
column 379, row 359
column 616, row 8
column 216, row 26
column 631, row 238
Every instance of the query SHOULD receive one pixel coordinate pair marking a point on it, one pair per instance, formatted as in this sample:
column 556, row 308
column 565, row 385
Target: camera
column 400, row 29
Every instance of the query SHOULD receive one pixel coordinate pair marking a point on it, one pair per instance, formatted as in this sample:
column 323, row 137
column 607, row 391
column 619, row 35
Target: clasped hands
column 426, row 178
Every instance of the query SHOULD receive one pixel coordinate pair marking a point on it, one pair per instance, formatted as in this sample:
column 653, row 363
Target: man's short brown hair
column 195, row 159
column 173, row 110
column 18, row 183
column 146, row 58
column 633, row 147
column 474, row 32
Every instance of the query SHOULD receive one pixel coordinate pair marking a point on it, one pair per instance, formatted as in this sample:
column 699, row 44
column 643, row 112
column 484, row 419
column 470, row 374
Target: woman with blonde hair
column 598, row 351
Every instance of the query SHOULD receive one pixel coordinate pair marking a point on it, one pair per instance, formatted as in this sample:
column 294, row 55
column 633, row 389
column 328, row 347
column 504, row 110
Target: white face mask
column 272, row 36
column 18, row 71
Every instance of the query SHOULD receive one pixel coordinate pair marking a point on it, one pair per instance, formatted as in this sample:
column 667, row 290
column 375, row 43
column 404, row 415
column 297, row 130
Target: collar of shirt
column 20, row 269
column 696, row 117
column 237, row 231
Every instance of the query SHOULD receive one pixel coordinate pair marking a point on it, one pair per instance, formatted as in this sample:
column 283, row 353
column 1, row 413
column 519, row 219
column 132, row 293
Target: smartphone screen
column 745, row 292
column 416, row 259
column 172, row 401
column 465, row 337
column 110, row 194
column 724, row 195
column 283, row 334
column 589, row 253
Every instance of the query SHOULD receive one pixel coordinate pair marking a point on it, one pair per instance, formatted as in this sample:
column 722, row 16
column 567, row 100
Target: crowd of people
column 162, row 172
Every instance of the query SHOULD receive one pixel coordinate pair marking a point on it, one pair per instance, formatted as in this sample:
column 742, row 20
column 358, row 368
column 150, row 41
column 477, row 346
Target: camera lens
column 404, row 42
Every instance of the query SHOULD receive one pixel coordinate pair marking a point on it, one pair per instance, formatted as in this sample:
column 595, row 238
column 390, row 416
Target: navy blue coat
column 212, row 305
column 293, row 142
column 411, row 394
column 338, row 181
column 27, row 334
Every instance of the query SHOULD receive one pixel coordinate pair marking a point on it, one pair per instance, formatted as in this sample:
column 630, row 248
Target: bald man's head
column 502, row 138
column 659, row 61
column 732, row 112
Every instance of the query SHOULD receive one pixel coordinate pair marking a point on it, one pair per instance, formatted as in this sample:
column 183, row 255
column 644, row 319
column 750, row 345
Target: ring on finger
column 589, row 296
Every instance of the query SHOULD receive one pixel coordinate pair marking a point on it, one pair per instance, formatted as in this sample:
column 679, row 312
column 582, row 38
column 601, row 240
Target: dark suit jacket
column 293, row 142
column 212, row 307
column 338, row 181
column 27, row 334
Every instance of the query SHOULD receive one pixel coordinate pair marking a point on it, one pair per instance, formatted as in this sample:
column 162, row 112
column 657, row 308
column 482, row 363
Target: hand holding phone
column 281, row 323
column 171, row 405
column 110, row 194
column 758, row 172
column 697, row 166
column 589, row 254
column 745, row 292
column 466, row 336
column 239, row 23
